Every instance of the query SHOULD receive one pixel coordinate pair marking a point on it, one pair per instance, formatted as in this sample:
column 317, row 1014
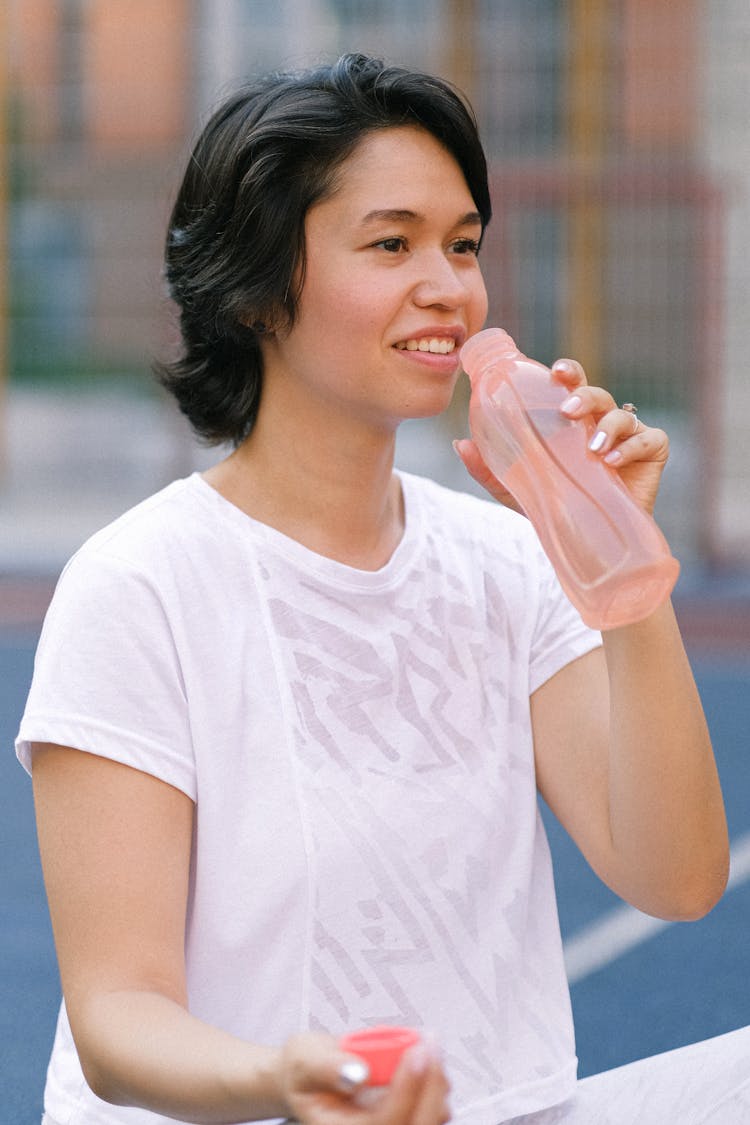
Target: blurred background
column 619, row 146
column 620, row 154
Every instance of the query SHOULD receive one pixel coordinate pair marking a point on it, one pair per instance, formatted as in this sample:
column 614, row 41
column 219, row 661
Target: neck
column 330, row 488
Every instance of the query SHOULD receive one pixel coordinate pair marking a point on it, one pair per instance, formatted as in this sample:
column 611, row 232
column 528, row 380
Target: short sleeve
column 560, row 636
column 107, row 676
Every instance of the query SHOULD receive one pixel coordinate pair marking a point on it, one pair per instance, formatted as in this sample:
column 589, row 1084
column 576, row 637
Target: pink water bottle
column 610, row 557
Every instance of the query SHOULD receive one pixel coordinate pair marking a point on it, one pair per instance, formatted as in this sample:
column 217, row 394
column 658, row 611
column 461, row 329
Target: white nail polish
column 597, row 441
column 353, row 1074
column 571, row 404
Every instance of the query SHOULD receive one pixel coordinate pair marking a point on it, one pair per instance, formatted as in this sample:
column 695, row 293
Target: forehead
column 396, row 168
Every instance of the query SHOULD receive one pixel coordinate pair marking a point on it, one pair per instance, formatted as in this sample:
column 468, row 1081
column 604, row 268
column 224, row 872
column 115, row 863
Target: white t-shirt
column 368, row 847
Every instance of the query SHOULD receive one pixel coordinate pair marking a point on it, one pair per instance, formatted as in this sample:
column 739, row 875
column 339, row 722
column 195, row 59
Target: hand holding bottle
column 639, row 453
column 585, row 473
column 640, row 464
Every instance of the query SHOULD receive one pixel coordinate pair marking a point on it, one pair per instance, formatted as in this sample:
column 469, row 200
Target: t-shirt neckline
column 325, row 568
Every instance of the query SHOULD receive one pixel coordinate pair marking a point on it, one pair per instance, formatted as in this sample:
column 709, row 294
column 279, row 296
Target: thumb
column 476, row 466
column 316, row 1062
column 352, row 1074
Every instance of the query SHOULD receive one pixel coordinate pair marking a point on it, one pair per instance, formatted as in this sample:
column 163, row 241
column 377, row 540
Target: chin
column 430, row 401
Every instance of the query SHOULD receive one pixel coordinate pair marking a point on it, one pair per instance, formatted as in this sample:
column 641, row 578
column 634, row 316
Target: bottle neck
column 483, row 352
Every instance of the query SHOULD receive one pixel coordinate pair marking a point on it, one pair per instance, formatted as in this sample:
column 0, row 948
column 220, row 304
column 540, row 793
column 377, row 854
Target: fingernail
column 597, row 441
column 613, row 457
column 562, row 365
column 352, row 1074
column 455, row 447
column 571, row 404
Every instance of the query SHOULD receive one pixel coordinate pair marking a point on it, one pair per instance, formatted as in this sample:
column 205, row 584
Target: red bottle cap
column 381, row 1048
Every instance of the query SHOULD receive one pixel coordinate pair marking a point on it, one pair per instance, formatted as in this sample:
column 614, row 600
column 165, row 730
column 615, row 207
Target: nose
column 443, row 282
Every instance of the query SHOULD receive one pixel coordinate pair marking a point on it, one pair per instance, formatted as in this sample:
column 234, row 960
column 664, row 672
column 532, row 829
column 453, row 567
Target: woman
column 289, row 717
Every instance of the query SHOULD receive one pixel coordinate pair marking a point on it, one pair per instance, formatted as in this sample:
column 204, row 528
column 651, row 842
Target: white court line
column 624, row 927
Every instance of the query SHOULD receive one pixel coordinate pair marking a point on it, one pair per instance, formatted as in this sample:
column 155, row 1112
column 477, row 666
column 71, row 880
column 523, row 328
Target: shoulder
column 144, row 531
column 135, row 561
column 478, row 525
column 496, row 554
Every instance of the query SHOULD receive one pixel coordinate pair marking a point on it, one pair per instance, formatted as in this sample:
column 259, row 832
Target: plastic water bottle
column 610, row 557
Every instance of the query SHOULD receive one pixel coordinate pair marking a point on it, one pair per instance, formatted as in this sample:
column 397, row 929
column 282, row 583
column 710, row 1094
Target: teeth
column 438, row 345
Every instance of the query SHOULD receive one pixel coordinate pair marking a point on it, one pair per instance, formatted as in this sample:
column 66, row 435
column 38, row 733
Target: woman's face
column 392, row 285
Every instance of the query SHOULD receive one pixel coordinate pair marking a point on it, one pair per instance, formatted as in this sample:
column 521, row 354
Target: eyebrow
column 398, row 215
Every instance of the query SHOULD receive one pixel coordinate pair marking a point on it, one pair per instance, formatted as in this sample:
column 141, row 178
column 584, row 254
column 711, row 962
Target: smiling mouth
column 435, row 344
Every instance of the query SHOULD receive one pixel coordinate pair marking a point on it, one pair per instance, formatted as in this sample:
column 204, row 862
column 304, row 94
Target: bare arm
column 623, row 753
column 624, row 760
column 115, row 846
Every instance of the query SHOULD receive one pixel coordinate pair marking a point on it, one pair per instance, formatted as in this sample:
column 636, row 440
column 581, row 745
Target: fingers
column 419, row 1093
column 620, row 438
column 352, row 1075
column 477, row 468
column 585, row 401
column 617, row 436
column 324, row 1086
column 568, row 372
column 318, row 1078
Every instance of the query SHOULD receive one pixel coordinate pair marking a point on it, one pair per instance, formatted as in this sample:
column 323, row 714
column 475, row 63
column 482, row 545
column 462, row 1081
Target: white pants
column 707, row 1083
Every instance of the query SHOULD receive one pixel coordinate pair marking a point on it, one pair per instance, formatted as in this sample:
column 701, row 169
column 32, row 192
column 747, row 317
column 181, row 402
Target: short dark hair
column 235, row 248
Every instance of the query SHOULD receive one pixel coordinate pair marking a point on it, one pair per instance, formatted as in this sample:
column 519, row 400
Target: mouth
column 436, row 345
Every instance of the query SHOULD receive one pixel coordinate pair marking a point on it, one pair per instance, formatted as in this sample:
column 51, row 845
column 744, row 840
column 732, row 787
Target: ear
column 249, row 326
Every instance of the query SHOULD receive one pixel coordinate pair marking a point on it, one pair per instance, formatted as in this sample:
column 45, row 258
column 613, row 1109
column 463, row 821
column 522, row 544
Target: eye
column 465, row 246
column 392, row 245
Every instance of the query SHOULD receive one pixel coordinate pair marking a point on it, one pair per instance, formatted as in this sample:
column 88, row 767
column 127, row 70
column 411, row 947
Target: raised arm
column 623, row 753
column 624, row 759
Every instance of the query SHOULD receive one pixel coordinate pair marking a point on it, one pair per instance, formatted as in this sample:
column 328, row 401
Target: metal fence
column 610, row 226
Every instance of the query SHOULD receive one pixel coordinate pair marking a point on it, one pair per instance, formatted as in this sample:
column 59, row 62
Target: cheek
column 480, row 305
column 360, row 307
column 343, row 298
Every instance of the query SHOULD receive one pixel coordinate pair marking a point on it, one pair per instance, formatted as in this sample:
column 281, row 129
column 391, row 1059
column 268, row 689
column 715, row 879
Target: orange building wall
column 659, row 59
column 33, row 62
column 135, row 59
